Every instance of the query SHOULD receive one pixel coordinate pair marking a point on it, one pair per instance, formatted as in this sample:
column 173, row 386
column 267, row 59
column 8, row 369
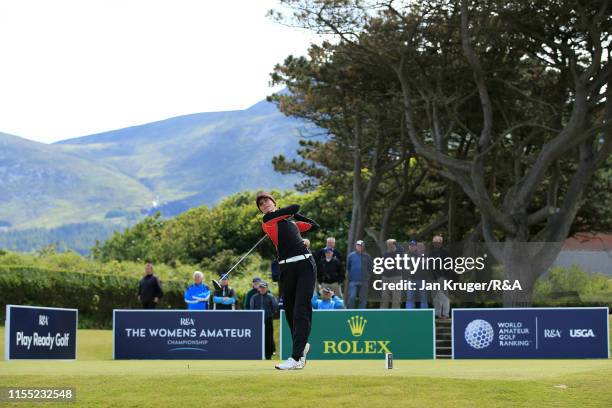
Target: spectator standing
column 441, row 298
column 329, row 243
column 418, row 277
column 358, row 267
column 392, row 275
column 224, row 298
column 265, row 301
column 149, row 288
column 330, row 273
column 197, row 294
column 254, row 290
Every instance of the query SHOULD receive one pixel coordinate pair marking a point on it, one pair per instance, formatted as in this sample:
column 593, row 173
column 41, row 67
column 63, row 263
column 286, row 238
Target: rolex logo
column 357, row 324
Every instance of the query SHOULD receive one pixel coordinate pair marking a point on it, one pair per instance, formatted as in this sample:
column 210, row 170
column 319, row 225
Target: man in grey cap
column 247, row 299
column 264, row 300
column 358, row 268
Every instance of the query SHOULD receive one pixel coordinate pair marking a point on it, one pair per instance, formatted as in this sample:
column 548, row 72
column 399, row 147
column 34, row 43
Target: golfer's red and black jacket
column 284, row 227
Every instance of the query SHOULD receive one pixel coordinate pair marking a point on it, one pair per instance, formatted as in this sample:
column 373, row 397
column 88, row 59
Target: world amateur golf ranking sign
column 367, row 334
column 40, row 333
column 531, row 333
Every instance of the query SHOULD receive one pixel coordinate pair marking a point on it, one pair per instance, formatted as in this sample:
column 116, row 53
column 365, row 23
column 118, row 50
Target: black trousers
column 269, row 331
column 297, row 282
column 149, row 305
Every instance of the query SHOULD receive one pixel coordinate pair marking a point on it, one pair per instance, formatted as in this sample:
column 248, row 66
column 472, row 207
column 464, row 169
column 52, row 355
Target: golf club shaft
column 243, row 256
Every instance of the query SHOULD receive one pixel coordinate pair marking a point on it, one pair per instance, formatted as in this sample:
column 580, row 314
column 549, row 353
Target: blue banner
column 40, row 333
column 188, row 334
column 531, row 333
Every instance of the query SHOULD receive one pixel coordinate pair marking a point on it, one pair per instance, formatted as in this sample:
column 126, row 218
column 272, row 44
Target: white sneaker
column 305, row 354
column 290, row 364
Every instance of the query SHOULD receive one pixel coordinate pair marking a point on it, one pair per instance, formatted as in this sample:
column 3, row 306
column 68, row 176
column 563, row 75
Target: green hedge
column 94, row 295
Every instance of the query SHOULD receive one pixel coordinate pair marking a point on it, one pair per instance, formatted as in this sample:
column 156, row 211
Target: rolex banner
column 367, row 334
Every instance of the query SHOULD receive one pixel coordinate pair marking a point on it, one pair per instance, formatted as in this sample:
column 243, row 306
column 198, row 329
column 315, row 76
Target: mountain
column 199, row 158
column 114, row 178
column 41, row 186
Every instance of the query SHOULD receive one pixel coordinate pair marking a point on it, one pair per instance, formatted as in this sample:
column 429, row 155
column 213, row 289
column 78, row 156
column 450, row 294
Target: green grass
column 99, row 381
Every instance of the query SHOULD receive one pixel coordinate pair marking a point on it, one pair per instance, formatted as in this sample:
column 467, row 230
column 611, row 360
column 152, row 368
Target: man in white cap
column 358, row 267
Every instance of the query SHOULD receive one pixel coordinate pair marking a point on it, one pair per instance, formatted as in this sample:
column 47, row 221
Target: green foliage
column 135, row 243
column 210, row 237
column 95, row 295
column 574, row 285
column 96, row 292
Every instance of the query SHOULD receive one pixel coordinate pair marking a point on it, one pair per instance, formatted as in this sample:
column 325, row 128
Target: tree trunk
column 518, row 264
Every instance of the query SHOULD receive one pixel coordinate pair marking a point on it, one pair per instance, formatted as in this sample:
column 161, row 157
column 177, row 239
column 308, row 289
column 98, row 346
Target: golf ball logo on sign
column 479, row 334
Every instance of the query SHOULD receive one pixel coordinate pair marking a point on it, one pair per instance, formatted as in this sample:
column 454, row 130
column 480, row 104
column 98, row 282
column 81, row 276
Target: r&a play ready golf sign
column 40, row 333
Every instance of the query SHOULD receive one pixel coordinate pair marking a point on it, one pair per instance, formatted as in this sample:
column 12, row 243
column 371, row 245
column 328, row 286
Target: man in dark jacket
column 149, row 288
column 254, row 290
column 224, row 298
column 330, row 273
column 329, row 243
column 266, row 302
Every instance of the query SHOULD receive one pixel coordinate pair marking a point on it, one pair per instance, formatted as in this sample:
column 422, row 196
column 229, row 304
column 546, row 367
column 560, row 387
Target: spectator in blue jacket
column 358, row 268
column 197, row 294
column 224, row 298
column 418, row 276
column 327, row 301
column 266, row 302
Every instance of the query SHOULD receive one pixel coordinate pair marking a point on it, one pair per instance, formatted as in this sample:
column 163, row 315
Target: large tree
column 517, row 104
column 357, row 106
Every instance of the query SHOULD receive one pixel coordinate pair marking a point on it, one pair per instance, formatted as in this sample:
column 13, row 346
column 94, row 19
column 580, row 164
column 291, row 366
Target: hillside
column 200, row 158
column 40, row 186
column 114, row 178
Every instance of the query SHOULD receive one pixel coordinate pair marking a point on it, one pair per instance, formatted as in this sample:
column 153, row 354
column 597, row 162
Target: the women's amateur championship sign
column 367, row 334
column 188, row 334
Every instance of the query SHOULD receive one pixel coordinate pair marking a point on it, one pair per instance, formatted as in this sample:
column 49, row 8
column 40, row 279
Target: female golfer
column 298, row 272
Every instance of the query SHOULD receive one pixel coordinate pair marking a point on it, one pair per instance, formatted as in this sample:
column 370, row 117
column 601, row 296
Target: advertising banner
column 33, row 332
column 531, row 333
column 188, row 334
column 367, row 334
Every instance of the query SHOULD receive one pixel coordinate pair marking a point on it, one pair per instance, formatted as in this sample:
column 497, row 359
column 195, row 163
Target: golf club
column 216, row 282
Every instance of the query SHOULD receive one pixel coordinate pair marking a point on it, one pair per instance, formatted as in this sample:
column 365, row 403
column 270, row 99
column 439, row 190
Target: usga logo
column 581, row 333
column 357, row 326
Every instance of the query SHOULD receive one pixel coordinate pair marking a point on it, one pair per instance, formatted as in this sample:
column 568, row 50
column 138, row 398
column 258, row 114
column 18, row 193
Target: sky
column 71, row 68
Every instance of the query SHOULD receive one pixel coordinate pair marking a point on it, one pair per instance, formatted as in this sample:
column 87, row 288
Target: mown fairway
column 99, row 381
